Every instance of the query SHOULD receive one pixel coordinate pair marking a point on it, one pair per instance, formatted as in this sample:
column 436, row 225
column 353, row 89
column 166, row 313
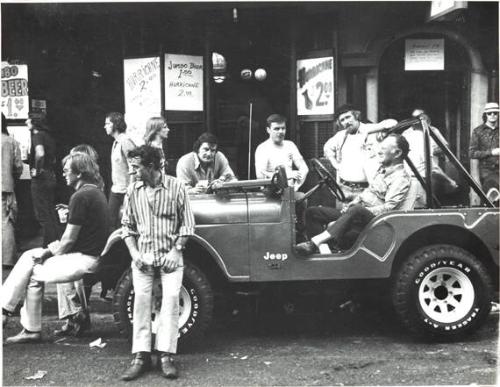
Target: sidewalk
column 96, row 303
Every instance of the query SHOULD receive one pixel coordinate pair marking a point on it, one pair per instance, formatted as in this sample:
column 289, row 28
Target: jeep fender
column 115, row 237
column 210, row 250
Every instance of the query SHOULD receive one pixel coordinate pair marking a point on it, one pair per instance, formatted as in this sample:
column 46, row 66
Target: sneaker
column 24, row 337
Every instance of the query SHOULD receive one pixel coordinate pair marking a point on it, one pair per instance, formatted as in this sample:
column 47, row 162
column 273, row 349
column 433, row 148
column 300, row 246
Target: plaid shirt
column 157, row 218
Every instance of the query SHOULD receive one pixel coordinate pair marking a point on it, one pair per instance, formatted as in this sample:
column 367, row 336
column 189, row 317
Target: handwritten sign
column 183, row 82
column 142, row 87
column 15, row 98
column 424, row 54
column 315, row 87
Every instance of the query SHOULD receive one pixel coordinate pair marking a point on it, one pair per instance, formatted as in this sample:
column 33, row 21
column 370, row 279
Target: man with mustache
column 204, row 166
column 351, row 150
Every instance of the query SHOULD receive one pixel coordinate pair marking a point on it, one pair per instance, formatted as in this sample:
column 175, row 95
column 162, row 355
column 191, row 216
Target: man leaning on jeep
column 157, row 220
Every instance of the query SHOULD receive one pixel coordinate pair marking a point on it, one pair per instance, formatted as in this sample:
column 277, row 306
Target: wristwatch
column 179, row 247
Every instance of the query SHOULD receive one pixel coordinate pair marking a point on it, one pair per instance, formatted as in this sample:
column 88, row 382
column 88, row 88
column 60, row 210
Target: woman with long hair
column 156, row 132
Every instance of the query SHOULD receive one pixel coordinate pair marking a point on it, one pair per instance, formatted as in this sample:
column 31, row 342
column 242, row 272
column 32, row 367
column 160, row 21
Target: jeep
column 439, row 262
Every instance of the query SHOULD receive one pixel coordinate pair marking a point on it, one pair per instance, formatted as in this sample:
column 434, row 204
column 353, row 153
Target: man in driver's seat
column 387, row 192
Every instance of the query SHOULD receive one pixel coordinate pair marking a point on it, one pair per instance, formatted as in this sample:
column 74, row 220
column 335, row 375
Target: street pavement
column 351, row 344
column 360, row 346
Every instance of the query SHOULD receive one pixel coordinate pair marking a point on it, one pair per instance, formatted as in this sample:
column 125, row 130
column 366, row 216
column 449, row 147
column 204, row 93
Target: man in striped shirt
column 156, row 224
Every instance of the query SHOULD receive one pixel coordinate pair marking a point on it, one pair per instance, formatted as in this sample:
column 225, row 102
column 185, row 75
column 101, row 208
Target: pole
column 249, row 140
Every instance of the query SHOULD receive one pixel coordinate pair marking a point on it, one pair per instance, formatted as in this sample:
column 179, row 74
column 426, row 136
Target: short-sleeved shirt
column 354, row 153
column 119, row 165
column 190, row 171
column 49, row 159
column 415, row 138
column 88, row 208
column 269, row 155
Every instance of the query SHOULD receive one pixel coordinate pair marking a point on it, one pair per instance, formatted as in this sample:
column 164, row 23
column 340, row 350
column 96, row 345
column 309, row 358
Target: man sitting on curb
column 61, row 261
column 387, row 192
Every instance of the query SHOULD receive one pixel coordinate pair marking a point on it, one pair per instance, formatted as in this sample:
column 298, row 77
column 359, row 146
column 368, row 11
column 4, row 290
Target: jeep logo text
column 278, row 256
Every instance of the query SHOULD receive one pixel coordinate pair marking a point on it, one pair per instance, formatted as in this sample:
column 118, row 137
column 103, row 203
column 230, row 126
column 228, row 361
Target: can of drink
column 63, row 215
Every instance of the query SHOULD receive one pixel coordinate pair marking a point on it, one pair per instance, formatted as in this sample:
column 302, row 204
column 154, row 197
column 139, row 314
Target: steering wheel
column 327, row 179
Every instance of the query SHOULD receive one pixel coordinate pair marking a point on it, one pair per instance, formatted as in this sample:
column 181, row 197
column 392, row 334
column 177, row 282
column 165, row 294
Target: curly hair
column 148, row 154
column 204, row 137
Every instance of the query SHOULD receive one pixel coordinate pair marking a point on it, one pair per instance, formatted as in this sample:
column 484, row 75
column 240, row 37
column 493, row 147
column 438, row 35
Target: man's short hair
column 345, row 109
column 275, row 118
column 401, row 143
column 84, row 164
column 119, row 124
column 148, row 154
column 204, row 137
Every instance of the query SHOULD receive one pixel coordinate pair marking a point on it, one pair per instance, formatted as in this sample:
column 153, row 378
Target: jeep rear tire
column 195, row 301
column 442, row 291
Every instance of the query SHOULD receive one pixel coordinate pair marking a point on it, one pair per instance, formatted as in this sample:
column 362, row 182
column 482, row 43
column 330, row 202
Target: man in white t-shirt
column 276, row 151
column 351, row 150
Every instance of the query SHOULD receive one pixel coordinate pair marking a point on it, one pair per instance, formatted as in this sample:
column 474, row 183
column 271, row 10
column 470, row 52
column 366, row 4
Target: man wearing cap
column 351, row 151
column 485, row 148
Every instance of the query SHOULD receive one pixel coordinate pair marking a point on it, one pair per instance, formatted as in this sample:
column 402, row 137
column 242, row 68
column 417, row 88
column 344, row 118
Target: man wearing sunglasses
column 484, row 146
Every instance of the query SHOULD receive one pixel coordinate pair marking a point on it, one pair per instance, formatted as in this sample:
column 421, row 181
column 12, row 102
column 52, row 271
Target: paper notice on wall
column 424, row 54
column 183, row 82
column 315, row 89
column 15, row 98
column 142, row 86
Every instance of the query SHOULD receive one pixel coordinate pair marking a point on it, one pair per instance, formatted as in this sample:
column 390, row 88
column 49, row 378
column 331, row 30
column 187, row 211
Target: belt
column 352, row 184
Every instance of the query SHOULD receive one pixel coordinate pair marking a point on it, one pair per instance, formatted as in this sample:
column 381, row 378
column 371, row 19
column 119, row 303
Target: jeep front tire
column 195, row 302
column 442, row 291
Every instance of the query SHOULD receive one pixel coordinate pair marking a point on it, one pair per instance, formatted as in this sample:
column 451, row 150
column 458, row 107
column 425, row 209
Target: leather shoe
column 67, row 329
column 168, row 368
column 140, row 364
column 24, row 337
column 80, row 322
column 306, row 248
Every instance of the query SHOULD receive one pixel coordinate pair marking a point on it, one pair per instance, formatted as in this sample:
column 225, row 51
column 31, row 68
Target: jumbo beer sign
column 15, row 98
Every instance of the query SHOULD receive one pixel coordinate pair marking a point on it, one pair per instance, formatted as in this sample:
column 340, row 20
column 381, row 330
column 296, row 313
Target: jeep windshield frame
column 426, row 182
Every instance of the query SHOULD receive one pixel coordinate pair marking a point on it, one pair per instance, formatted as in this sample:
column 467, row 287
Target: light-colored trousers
column 168, row 323
column 71, row 298
column 26, row 281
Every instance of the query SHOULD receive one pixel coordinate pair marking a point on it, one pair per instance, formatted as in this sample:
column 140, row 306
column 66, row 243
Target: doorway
column 442, row 94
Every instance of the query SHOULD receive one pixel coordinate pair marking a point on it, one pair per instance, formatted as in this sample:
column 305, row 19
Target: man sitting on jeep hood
column 386, row 192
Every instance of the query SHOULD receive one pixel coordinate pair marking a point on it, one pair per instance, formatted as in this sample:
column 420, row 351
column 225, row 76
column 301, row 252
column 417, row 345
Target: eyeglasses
column 492, row 113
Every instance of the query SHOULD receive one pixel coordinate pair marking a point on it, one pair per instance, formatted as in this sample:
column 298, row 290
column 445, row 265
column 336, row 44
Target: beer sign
column 15, row 98
column 315, row 88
